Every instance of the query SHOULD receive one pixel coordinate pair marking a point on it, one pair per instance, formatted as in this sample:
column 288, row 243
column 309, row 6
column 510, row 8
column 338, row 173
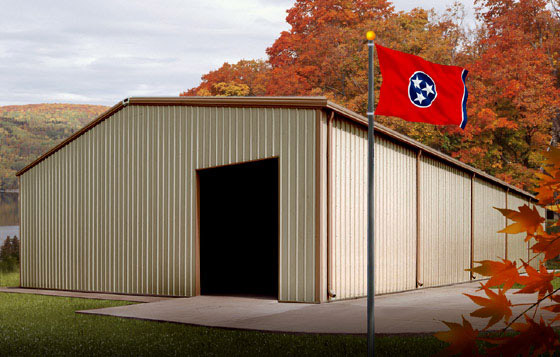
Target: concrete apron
column 418, row 311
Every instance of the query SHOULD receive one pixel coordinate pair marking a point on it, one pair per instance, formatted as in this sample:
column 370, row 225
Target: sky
column 102, row 51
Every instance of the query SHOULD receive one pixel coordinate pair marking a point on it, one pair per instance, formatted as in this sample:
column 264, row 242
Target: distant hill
column 27, row 131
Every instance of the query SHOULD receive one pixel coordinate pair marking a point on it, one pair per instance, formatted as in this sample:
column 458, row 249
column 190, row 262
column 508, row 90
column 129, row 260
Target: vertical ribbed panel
column 517, row 247
column 115, row 209
column 395, row 217
column 348, row 210
column 445, row 223
column 395, row 207
column 488, row 244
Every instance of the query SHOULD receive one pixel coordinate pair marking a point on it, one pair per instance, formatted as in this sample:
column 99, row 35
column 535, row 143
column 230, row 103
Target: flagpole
column 370, row 204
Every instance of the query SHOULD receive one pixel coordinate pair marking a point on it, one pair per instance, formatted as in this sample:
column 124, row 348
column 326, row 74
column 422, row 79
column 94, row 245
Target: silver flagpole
column 370, row 205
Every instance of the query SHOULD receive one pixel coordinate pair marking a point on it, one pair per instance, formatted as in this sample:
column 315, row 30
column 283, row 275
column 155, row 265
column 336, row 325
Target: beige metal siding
column 517, row 247
column 395, row 223
column 487, row 243
column 115, row 209
column 445, row 223
column 395, row 217
column 348, row 210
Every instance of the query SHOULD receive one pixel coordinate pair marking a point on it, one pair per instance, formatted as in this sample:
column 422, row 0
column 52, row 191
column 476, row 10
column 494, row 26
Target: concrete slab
column 85, row 295
column 419, row 311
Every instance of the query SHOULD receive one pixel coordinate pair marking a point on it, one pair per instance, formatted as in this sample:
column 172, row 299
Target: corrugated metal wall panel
column 395, row 219
column 517, row 247
column 487, row 243
column 445, row 223
column 115, row 210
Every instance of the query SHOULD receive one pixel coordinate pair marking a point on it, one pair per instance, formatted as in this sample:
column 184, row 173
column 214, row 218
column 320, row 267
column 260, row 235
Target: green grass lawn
column 46, row 325
column 9, row 279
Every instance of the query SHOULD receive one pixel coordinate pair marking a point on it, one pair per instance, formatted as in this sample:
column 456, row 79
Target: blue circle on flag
column 421, row 90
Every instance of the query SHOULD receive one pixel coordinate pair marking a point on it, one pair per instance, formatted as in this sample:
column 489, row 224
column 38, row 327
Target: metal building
column 255, row 195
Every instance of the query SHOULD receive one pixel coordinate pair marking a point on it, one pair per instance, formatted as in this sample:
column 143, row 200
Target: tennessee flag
column 414, row 89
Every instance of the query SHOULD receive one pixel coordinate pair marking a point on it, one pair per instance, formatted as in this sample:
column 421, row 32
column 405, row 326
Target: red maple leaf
column 462, row 339
column 526, row 220
column 501, row 273
column 496, row 306
column 536, row 281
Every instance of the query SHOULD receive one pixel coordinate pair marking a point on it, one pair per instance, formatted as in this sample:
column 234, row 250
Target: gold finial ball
column 370, row 35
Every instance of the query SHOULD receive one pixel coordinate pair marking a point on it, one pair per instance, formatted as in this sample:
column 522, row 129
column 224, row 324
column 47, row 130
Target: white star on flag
column 419, row 98
column 416, row 82
column 428, row 89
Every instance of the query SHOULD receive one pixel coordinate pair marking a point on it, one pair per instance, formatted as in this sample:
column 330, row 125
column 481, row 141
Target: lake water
column 8, row 215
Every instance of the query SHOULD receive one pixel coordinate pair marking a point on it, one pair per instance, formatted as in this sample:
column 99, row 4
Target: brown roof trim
column 288, row 102
column 425, row 149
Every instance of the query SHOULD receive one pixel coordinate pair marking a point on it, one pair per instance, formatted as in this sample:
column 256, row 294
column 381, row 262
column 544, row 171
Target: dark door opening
column 239, row 229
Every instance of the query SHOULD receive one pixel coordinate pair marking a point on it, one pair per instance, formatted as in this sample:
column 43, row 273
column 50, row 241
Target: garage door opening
column 239, row 229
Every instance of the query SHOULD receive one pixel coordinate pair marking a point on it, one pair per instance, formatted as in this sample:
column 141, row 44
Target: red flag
column 414, row 89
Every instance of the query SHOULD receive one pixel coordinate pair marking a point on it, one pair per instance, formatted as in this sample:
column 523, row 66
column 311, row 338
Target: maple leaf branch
column 528, row 261
column 529, row 308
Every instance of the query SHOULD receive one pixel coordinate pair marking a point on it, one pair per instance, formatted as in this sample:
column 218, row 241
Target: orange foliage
column 250, row 78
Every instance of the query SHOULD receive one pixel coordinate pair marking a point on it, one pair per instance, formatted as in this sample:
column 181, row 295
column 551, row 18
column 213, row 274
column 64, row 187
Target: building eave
column 274, row 102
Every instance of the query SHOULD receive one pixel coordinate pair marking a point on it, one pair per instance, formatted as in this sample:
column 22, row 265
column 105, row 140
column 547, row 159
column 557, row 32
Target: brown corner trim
column 279, row 234
column 318, row 206
column 418, row 204
column 20, row 230
column 506, row 240
column 330, row 293
column 472, row 225
column 197, row 239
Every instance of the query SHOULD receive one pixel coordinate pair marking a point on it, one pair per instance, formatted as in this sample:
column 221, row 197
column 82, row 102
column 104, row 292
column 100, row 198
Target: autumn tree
column 513, row 90
column 324, row 51
column 243, row 78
